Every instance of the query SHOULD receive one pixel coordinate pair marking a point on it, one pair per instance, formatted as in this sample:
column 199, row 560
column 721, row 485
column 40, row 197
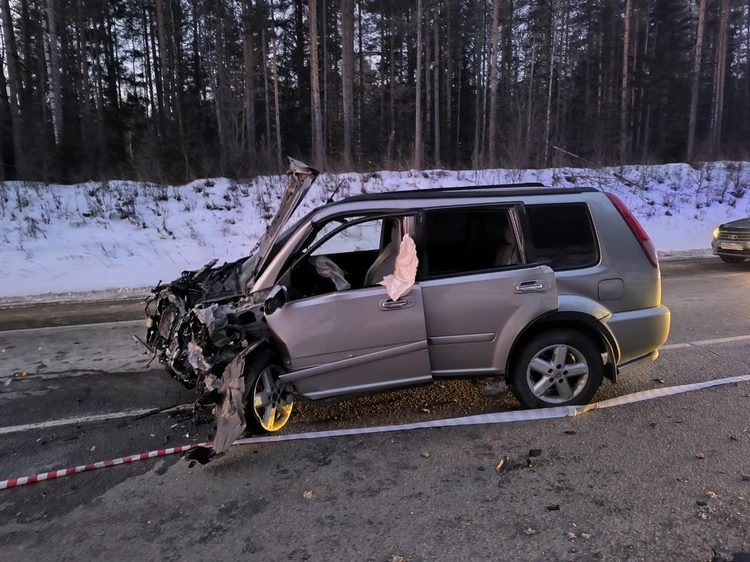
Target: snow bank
column 119, row 234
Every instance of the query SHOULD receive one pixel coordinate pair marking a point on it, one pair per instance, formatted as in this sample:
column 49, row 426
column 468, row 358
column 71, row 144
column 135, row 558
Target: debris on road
column 555, row 507
column 746, row 477
column 309, row 495
column 711, row 495
column 572, row 536
column 398, row 558
column 586, row 536
column 530, row 531
column 700, row 456
column 570, row 432
column 500, row 465
column 660, row 381
column 426, row 455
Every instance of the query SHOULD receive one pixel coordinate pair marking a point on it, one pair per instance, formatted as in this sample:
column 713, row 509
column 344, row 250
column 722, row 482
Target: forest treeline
column 171, row 90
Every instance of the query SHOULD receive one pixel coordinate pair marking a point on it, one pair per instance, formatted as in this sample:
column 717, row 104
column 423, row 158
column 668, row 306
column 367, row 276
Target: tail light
column 646, row 244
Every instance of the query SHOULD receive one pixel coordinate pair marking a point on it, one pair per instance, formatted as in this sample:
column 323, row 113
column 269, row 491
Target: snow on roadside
column 119, row 234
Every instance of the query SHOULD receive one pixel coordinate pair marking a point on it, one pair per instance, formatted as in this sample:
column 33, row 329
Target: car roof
column 499, row 190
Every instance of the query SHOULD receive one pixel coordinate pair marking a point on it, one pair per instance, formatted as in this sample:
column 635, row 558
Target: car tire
column 268, row 404
column 732, row 259
column 557, row 368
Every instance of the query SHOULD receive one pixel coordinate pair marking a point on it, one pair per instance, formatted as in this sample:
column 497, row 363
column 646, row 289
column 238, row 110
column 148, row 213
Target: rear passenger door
column 479, row 286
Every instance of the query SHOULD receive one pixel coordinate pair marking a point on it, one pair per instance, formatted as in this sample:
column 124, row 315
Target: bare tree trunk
column 696, row 80
column 86, row 95
column 449, row 77
column 551, row 65
column 624, row 88
column 163, row 55
column 277, row 112
column 485, row 84
column 264, row 53
column 436, row 81
column 317, row 120
column 492, row 160
column 157, row 75
column 720, row 80
column 4, row 113
column 427, row 87
column 392, row 87
column 478, row 113
column 248, row 56
column 530, row 102
column 361, row 97
column 347, row 46
column 57, row 109
column 418, row 149
column 646, row 146
column 100, row 103
column 219, row 87
column 15, row 116
column 381, row 75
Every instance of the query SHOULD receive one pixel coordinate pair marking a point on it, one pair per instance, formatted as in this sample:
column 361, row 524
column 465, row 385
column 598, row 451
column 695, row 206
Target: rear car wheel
column 268, row 402
column 557, row 368
column 732, row 259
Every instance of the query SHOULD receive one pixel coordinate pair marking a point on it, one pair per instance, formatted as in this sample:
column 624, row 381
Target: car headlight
column 716, row 233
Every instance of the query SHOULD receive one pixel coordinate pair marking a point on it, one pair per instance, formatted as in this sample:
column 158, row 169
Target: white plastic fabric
column 401, row 281
column 328, row 269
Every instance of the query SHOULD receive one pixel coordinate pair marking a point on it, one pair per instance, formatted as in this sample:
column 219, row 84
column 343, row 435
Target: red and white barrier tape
column 15, row 482
column 482, row 419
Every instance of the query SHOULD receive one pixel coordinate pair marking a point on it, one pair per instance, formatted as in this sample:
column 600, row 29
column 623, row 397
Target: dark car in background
column 732, row 241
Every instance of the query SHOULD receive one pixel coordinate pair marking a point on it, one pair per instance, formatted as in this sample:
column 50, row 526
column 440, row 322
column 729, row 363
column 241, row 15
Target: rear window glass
column 461, row 242
column 563, row 235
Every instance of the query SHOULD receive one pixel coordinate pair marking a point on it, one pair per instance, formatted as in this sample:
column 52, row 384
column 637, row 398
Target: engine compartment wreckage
column 210, row 327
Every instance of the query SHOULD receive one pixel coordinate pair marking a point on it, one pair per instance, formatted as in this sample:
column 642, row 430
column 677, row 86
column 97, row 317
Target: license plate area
column 732, row 246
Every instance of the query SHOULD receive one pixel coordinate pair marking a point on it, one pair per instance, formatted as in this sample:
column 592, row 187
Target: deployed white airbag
column 401, row 281
column 326, row 267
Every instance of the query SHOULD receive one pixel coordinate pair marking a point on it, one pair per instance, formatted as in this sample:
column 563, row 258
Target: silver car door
column 473, row 320
column 352, row 342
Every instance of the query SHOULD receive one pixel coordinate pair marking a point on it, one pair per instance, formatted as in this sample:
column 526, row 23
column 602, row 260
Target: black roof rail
column 508, row 190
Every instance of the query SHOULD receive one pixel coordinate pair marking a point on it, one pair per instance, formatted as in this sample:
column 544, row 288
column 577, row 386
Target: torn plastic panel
column 404, row 275
column 229, row 411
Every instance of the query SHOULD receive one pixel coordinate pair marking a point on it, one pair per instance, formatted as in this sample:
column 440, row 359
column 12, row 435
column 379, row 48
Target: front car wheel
column 269, row 402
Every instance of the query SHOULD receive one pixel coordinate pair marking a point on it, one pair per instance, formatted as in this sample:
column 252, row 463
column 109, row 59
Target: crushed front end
column 203, row 325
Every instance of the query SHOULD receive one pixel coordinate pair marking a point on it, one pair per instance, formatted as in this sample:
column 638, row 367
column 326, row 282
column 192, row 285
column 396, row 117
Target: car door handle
column 528, row 287
column 387, row 304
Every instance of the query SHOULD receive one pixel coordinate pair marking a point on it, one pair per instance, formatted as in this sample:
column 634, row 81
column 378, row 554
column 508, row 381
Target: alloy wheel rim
column 557, row 374
column 272, row 400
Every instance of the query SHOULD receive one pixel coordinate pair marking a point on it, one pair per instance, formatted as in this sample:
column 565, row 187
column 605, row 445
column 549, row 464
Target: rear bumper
column 640, row 333
column 650, row 358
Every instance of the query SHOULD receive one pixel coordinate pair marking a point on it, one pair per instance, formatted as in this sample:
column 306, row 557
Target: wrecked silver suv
column 551, row 290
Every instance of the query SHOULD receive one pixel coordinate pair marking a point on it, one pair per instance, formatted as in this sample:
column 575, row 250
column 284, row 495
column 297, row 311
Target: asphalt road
column 657, row 480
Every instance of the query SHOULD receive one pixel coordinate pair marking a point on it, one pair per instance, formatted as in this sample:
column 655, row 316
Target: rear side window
column 464, row 241
column 563, row 235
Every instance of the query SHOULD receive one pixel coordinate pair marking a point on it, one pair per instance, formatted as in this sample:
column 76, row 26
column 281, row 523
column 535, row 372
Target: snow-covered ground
column 122, row 235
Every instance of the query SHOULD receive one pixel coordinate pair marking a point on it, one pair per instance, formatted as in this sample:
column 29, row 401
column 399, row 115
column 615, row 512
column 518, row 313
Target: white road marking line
column 703, row 343
column 76, row 326
column 87, row 419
